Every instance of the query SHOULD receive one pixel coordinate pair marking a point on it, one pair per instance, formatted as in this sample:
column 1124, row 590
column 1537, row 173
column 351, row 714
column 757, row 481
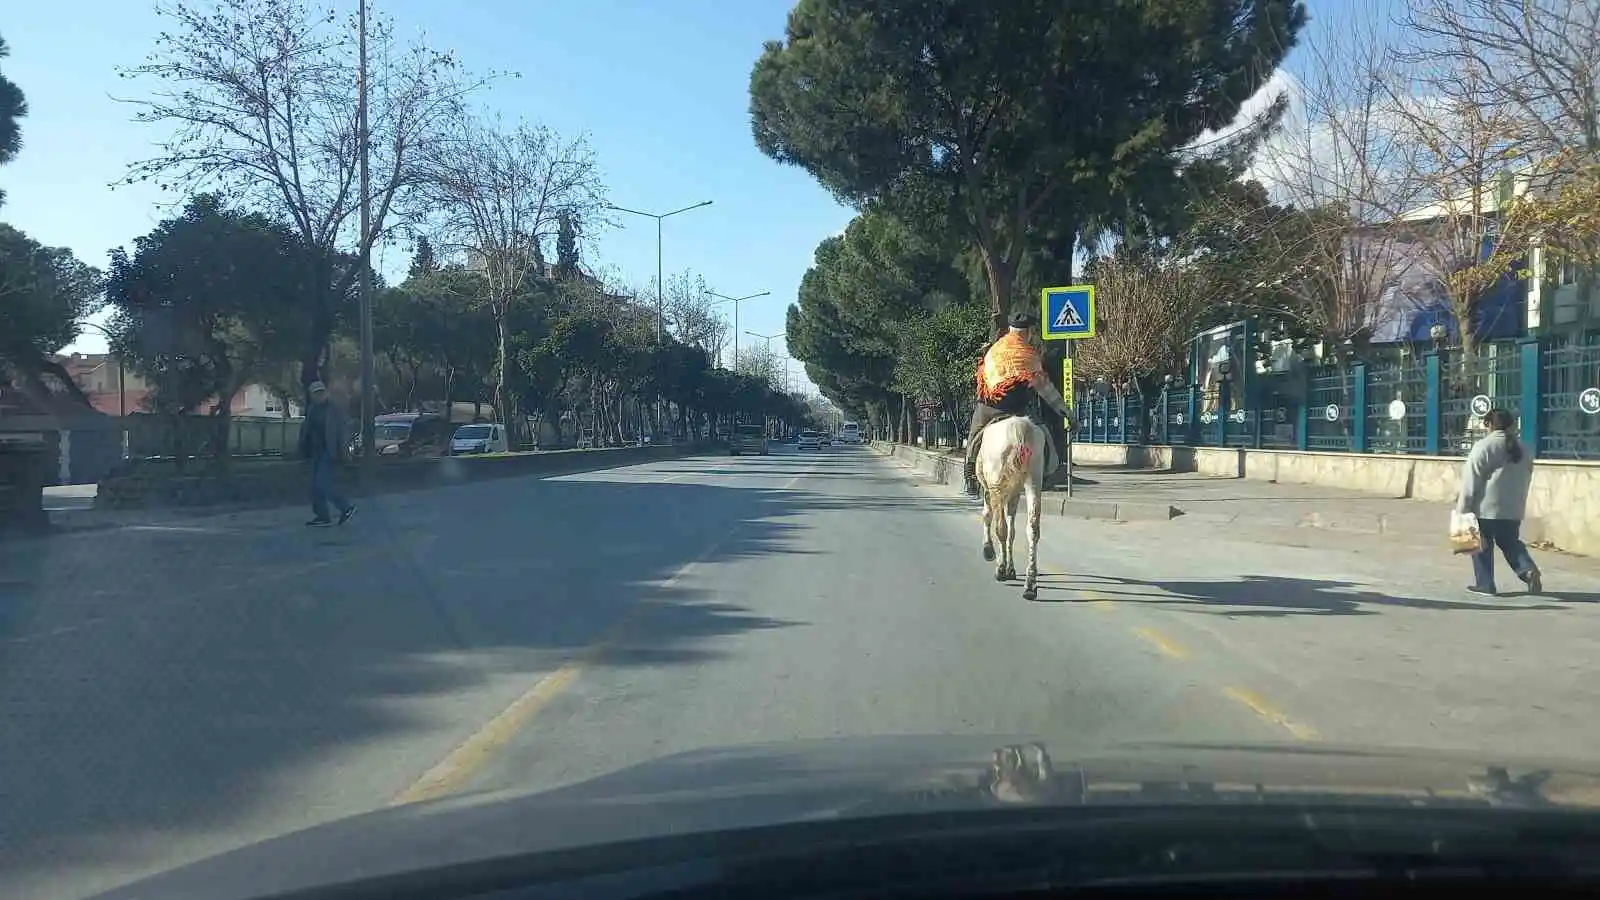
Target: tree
column 1342, row 183
column 566, row 246
column 762, row 364
column 206, row 301
column 1462, row 138
column 423, row 261
column 935, row 106
column 1527, row 73
column 499, row 193
column 691, row 315
column 259, row 99
column 1148, row 308
column 13, row 106
column 44, row 293
column 938, row 357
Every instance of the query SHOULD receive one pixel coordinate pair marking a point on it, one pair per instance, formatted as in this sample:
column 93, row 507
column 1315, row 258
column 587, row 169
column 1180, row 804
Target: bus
column 850, row 433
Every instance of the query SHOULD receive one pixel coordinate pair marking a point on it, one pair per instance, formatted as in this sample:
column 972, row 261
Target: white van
column 850, row 433
column 482, row 437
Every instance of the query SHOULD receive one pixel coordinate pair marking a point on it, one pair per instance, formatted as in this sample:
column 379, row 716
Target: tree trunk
column 502, row 339
column 1001, row 274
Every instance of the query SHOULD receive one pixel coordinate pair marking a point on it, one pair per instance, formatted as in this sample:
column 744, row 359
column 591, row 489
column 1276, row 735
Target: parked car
column 810, row 440
column 748, row 439
column 485, row 437
column 407, row 434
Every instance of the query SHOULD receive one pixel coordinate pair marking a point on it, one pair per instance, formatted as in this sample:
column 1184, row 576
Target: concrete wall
column 1563, row 505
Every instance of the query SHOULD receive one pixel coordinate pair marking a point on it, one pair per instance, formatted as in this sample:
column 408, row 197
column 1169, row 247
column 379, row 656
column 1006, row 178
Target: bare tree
column 1535, row 66
column 1340, row 176
column 691, row 314
column 259, row 99
column 1147, row 309
column 500, row 193
column 761, row 362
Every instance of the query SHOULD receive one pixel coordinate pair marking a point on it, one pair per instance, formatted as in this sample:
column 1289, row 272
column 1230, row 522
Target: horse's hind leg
column 988, row 525
column 1011, row 538
column 1002, row 536
column 1030, row 584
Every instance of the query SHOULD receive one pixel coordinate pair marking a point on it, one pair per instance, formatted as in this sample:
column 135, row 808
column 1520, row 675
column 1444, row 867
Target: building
column 116, row 391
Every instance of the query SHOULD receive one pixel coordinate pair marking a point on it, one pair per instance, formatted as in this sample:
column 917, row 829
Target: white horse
column 1011, row 466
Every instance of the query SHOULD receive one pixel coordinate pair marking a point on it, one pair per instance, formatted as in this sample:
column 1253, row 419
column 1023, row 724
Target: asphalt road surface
column 179, row 688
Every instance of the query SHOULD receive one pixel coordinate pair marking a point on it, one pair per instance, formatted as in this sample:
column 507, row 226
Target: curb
column 287, row 487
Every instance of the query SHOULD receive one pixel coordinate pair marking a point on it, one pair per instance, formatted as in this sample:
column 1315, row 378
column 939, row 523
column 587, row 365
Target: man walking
column 322, row 442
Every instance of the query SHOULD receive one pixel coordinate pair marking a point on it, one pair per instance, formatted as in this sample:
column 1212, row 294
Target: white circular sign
column 1099, row 421
column 1208, row 417
column 1589, row 401
column 1331, row 412
column 1397, row 409
column 1281, row 415
column 1177, row 419
column 1481, row 405
column 1237, row 415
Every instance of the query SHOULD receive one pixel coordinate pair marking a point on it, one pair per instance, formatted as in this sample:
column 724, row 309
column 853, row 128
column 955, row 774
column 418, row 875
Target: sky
column 660, row 87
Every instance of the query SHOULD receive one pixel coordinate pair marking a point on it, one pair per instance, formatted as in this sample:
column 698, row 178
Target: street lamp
column 736, row 301
column 660, row 303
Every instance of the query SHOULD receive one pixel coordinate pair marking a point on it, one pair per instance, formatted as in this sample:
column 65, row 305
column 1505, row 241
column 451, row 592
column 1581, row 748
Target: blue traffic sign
column 1067, row 313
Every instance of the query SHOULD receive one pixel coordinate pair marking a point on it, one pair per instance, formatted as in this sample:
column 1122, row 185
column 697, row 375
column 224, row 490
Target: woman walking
column 1494, row 487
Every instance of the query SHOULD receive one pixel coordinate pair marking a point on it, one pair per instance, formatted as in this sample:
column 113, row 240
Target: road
column 178, row 688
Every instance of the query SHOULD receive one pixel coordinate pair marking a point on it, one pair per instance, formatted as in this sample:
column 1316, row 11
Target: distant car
column 747, row 439
column 826, row 438
column 809, row 440
column 484, row 437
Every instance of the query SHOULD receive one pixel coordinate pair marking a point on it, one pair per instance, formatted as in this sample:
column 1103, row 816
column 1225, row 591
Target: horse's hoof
column 988, row 553
column 1030, row 593
column 1000, row 575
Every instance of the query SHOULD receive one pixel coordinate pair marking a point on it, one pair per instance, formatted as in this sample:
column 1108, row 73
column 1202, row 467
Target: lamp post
column 660, row 302
column 768, row 338
column 736, row 301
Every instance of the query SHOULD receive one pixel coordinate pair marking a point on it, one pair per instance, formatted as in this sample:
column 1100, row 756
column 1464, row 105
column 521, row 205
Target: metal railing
column 1408, row 403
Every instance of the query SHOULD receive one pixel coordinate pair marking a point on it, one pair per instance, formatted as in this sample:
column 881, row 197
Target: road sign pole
column 1066, row 389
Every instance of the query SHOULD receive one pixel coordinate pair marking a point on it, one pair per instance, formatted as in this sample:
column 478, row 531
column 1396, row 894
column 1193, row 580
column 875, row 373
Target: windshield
column 701, row 316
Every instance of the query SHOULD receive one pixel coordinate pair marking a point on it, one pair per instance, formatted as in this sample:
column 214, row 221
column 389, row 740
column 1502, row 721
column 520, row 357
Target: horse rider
column 1009, row 378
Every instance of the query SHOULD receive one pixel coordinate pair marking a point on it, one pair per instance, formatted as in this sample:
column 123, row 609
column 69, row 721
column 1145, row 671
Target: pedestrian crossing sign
column 1067, row 313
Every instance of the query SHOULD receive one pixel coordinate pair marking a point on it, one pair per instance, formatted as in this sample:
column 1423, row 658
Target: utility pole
column 369, row 453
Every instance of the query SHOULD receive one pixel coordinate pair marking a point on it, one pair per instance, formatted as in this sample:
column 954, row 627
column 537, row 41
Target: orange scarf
column 1010, row 361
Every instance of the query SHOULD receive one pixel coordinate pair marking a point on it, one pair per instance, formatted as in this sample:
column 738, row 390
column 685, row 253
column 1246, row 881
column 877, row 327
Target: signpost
column 1067, row 313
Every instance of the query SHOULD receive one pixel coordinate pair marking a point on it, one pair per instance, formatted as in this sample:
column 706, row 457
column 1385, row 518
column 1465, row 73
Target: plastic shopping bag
column 1464, row 534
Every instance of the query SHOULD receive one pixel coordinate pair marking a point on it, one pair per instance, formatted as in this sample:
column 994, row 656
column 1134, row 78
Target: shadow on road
column 1268, row 596
column 166, row 682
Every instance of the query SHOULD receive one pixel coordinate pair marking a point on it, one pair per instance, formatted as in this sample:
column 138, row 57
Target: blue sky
column 660, row 87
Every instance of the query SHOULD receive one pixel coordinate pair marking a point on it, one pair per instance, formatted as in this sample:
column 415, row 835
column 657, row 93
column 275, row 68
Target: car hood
column 776, row 784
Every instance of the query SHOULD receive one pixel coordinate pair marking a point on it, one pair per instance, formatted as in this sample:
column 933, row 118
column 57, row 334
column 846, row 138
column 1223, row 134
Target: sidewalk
column 1261, row 511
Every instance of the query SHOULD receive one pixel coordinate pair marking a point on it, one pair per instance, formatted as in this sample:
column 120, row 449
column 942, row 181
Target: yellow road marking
column 1258, row 705
column 469, row 757
column 465, row 760
column 1167, row 646
column 1101, row 604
